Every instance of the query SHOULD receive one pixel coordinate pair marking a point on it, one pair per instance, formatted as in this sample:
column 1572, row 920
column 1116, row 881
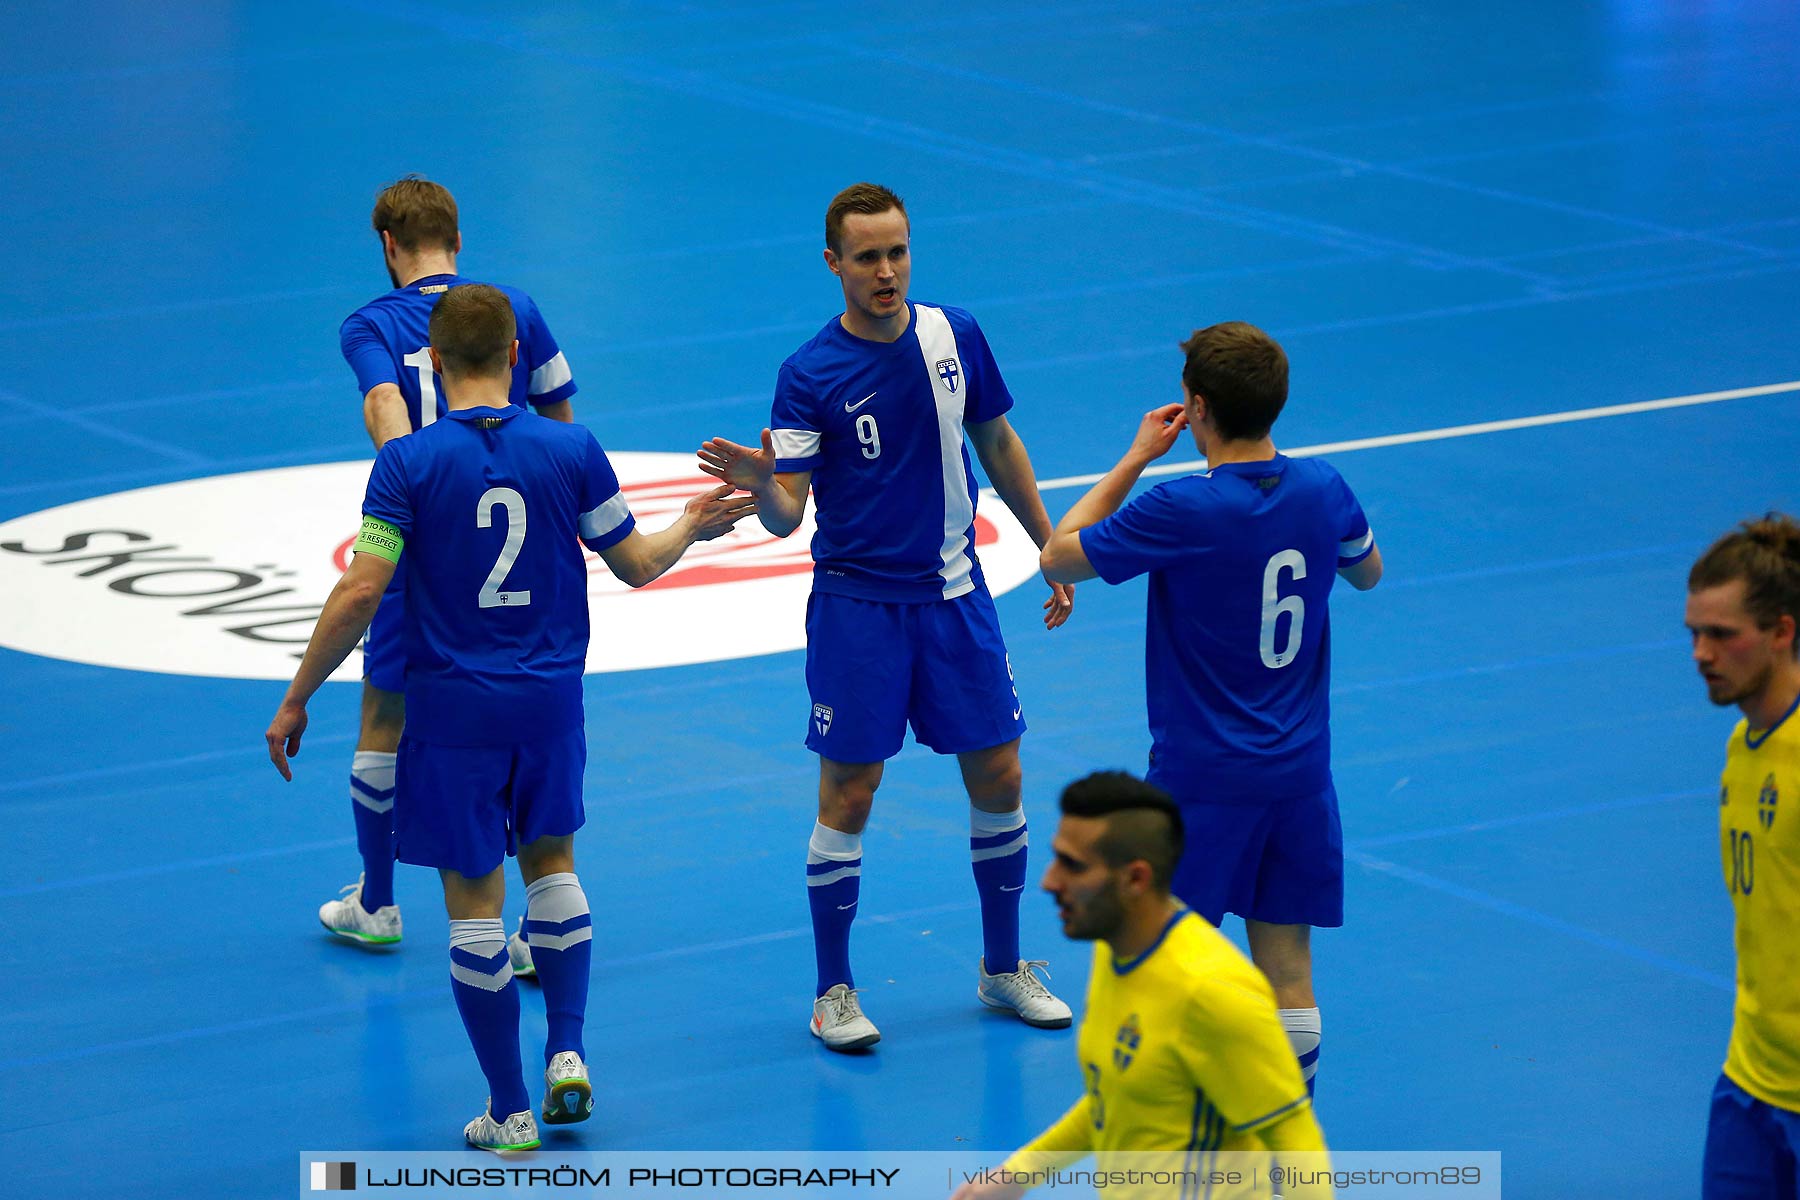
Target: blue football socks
column 997, row 844
column 372, row 796
column 833, row 886
column 561, row 932
column 481, row 978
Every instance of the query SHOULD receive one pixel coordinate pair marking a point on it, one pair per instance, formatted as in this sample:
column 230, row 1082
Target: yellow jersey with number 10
column 1759, row 841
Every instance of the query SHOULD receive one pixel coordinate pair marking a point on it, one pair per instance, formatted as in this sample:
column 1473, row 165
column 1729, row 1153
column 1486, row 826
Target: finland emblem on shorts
column 1765, row 803
column 950, row 372
column 1125, row 1046
column 822, row 718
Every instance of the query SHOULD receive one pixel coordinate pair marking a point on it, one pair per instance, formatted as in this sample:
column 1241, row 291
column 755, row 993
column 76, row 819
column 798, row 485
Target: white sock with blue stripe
column 481, row 978
column 1304, row 1035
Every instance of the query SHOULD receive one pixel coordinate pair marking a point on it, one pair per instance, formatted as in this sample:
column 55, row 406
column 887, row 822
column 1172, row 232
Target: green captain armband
column 379, row 538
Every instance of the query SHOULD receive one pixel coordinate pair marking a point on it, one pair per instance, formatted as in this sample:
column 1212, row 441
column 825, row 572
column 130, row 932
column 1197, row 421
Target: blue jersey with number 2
column 1238, row 645
column 490, row 503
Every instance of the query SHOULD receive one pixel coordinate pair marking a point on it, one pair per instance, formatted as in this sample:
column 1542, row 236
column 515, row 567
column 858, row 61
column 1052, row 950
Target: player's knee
column 846, row 795
column 995, row 785
column 383, row 719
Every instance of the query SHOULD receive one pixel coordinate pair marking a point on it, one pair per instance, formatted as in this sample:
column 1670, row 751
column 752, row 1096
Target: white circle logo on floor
column 225, row 576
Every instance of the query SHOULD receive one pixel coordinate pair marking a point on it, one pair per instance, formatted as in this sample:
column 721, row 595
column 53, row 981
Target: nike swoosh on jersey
column 853, row 407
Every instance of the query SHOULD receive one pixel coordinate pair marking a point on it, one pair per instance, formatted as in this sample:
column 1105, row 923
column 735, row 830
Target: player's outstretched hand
column 1060, row 604
column 715, row 512
column 284, row 736
column 741, row 466
column 1157, row 432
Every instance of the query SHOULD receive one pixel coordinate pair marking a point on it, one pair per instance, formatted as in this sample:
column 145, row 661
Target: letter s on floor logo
column 225, row 576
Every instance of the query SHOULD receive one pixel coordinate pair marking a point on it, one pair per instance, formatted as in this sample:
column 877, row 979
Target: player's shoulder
column 820, row 349
column 518, row 297
column 370, row 313
column 1212, row 975
column 961, row 319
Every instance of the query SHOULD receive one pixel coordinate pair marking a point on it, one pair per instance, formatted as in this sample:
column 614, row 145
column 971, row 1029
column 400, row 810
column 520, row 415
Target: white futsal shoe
column 567, row 1096
column 347, row 917
column 838, row 1021
column 518, row 952
column 1023, row 993
column 517, row 1132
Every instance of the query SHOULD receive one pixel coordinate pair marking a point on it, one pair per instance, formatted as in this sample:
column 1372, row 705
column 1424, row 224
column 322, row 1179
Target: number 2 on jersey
column 1274, row 604
column 514, row 504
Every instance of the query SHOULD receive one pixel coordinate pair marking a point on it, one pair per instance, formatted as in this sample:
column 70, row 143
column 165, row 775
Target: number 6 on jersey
column 1274, row 604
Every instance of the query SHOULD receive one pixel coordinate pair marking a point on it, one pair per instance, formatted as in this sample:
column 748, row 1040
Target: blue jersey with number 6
column 489, row 503
column 384, row 341
column 1241, row 561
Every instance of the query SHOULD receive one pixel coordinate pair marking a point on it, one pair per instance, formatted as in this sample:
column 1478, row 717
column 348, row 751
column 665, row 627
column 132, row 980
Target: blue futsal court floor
column 1449, row 214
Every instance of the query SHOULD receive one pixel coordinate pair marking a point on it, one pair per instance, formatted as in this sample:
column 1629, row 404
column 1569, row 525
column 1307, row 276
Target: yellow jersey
column 1759, row 844
column 1181, row 1049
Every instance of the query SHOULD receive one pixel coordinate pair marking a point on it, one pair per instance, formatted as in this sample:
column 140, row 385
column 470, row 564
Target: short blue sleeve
column 605, row 518
column 794, row 422
column 988, row 397
column 551, row 380
column 1356, row 541
column 386, row 498
column 1152, row 531
column 366, row 353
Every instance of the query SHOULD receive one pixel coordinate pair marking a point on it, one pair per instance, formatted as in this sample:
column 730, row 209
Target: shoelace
column 354, row 889
column 845, row 1006
column 1029, row 981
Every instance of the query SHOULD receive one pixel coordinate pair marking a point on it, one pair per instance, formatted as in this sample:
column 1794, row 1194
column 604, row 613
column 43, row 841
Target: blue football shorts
column 384, row 649
column 1276, row 861
column 874, row 666
column 1750, row 1148
column 466, row 808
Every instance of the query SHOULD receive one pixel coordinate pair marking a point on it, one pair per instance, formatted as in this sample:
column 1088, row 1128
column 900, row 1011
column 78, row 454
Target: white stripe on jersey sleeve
column 1356, row 547
column 608, row 517
column 937, row 341
column 551, row 375
column 795, row 443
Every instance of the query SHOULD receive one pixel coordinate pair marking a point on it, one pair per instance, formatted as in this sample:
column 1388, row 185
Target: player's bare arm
column 1365, row 574
column 346, row 616
column 384, row 414
column 1063, row 558
column 562, row 410
column 639, row 558
column 780, row 497
column 1008, row 467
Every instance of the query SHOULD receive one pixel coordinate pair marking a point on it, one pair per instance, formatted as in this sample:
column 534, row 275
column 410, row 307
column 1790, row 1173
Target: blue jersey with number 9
column 490, row 503
column 1241, row 561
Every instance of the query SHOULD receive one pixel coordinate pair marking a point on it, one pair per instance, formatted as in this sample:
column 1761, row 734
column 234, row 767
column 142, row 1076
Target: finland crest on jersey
column 949, row 372
column 822, row 715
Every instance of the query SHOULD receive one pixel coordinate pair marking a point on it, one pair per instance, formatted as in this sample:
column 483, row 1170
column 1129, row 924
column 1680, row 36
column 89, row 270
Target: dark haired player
column 1241, row 560
column 1181, row 1051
